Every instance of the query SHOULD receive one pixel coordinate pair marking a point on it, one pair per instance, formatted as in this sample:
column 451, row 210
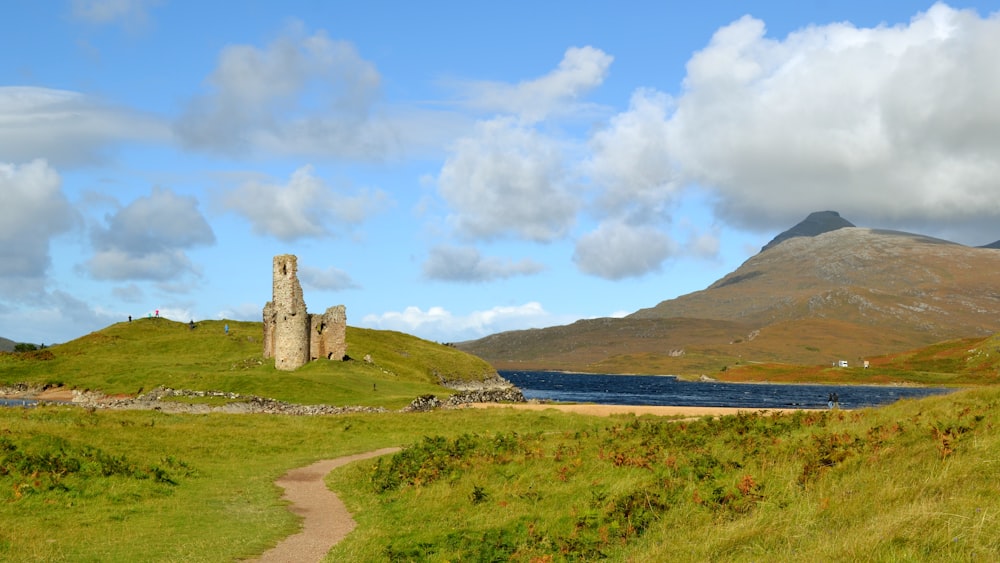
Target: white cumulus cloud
column 508, row 179
column 33, row 212
column 67, row 128
column 331, row 279
column 305, row 94
column 630, row 160
column 617, row 250
column 147, row 239
column 581, row 70
column 892, row 125
column 466, row 264
column 304, row 207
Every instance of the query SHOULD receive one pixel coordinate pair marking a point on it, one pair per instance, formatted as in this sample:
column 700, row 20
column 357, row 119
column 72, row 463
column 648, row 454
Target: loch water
column 17, row 402
column 670, row 391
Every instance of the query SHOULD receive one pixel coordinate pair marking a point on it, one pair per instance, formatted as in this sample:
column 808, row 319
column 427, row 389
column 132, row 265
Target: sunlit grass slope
column 127, row 358
column 915, row 481
column 125, row 486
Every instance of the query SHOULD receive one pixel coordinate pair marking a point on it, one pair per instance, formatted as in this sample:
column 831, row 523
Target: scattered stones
column 492, row 382
column 19, row 389
column 238, row 403
column 492, row 390
column 509, row 395
column 423, row 403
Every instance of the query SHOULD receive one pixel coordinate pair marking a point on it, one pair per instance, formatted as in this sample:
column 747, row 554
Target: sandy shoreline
column 62, row 394
column 608, row 410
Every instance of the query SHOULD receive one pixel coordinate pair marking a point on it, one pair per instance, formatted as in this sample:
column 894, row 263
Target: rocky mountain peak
column 815, row 224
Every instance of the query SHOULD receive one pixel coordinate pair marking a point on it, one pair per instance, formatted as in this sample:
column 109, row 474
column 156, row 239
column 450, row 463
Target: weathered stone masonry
column 292, row 336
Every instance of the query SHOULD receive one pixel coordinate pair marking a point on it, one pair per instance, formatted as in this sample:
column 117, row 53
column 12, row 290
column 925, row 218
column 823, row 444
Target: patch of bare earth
column 325, row 519
column 61, row 394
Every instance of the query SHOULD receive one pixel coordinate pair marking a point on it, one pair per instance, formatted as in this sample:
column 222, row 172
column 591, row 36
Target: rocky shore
column 165, row 399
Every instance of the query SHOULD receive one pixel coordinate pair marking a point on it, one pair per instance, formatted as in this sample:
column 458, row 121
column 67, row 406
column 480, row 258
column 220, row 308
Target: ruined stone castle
column 292, row 336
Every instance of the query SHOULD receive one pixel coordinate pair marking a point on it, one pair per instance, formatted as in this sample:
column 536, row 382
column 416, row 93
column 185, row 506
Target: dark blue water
column 667, row 390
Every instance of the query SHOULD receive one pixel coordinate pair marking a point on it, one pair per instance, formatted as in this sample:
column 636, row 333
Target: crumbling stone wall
column 328, row 334
column 291, row 335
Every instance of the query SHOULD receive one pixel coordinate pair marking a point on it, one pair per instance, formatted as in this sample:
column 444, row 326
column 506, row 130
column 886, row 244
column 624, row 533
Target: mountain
column 816, row 223
column 6, row 345
column 821, row 291
column 865, row 276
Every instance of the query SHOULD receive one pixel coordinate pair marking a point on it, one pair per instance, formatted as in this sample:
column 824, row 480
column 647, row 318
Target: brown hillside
column 585, row 344
column 899, row 281
column 844, row 294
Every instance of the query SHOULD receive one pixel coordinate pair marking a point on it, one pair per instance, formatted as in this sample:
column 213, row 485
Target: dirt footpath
column 326, row 520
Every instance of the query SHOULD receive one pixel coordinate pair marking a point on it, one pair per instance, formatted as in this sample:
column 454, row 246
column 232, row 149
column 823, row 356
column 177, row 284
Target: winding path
column 326, row 520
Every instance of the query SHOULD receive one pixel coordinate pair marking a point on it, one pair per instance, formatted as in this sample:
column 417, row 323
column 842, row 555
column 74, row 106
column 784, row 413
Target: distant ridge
column 992, row 245
column 817, row 223
column 7, row 345
column 821, row 291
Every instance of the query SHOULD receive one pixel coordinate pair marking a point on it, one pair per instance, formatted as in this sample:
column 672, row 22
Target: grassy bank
column 127, row 486
column 129, row 357
column 911, row 481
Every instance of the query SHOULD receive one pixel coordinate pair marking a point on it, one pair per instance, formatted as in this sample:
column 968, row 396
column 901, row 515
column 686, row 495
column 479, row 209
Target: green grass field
column 127, row 358
column 913, row 481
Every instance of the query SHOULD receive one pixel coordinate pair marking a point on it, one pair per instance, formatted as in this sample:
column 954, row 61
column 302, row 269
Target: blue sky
column 452, row 169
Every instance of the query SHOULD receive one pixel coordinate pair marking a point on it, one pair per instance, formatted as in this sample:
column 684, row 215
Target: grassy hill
column 127, row 358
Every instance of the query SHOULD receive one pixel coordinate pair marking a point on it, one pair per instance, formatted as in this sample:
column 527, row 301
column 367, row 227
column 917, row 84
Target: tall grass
column 214, row 499
column 908, row 482
column 913, row 481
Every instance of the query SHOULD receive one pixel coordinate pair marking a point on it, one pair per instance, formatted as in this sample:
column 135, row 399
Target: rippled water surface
column 667, row 390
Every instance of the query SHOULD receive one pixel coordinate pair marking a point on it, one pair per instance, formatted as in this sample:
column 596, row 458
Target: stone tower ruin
column 292, row 336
